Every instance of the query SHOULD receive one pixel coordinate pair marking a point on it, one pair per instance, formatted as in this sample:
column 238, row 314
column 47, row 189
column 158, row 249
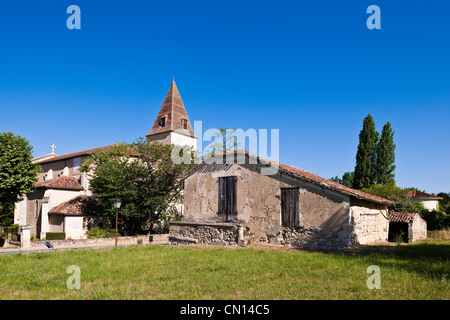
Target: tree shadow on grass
column 430, row 260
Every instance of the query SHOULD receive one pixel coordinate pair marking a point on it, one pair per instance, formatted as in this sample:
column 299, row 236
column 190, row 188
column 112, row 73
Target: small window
column 36, row 209
column 184, row 123
column 162, row 122
column 289, row 207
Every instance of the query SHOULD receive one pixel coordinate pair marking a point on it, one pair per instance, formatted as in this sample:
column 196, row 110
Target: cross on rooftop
column 53, row 147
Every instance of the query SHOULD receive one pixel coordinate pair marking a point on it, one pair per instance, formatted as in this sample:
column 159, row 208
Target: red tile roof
column 63, row 182
column 332, row 185
column 402, row 217
column 80, row 205
column 423, row 195
column 77, row 154
column 307, row 176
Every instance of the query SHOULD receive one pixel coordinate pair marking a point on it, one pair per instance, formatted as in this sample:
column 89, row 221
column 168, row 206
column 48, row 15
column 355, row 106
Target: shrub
column 139, row 241
column 436, row 220
column 55, row 236
column 10, row 233
column 98, row 232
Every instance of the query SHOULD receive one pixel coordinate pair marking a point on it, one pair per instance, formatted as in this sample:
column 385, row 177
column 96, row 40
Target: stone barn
column 408, row 227
column 244, row 198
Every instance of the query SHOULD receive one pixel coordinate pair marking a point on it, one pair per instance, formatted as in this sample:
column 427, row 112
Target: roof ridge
column 62, row 182
column 78, row 153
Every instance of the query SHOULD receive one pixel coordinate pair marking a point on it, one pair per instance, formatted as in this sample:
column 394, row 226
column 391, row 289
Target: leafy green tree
column 346, row 180
column 403, row 203
column 385, row 157
column 224, row 140
column 444, row 204
column 436, row 219
column 142, row 175
column 17, row 173
column 6, row 214
column 366, row 155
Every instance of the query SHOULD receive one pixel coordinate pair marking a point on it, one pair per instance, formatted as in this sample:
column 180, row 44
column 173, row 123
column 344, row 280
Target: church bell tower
column 172, row 125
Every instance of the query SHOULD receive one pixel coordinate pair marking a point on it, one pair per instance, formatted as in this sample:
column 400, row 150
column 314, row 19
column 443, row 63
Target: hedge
column 55, row 236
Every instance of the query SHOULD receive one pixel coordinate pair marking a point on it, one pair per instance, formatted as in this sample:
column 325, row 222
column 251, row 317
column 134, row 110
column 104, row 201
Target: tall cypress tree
column 384, row 165
column 366, row 155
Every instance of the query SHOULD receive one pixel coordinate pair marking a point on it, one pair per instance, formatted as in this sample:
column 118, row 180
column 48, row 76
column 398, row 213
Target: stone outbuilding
column 244, row 198
column 409, row 227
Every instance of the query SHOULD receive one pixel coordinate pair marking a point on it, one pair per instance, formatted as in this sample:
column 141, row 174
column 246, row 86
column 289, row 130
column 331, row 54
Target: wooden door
column 289, row 207
column 227, row 199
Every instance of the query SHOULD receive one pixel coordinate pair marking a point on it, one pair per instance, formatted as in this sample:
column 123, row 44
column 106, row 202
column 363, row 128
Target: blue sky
column 311, row 69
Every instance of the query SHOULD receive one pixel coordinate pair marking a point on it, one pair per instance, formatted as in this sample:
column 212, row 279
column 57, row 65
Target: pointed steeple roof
column 172, row 116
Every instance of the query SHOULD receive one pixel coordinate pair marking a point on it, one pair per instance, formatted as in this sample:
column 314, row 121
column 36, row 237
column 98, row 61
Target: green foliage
column 10, row 232
column 224, row 140
column 98, row 232
column 444, row 204
column 139, row 241
column 399, row 237
column 55, row 235
column 142, row 175
column 399, row 195
column 436, row 220
column 375, row 156
column 162, row 225
column 366, row 155
column 6, row 214
column 17, row 173
column 346, row 180
column 385, row 157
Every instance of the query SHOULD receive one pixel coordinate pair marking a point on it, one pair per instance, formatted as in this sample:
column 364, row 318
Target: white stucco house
column 429, row 201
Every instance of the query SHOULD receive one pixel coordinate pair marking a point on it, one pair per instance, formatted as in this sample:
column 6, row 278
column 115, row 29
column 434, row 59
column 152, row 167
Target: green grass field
column 417, row 271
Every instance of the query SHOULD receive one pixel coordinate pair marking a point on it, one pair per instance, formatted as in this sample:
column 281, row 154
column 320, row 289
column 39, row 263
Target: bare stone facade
column 207, row 233
column 327, row 217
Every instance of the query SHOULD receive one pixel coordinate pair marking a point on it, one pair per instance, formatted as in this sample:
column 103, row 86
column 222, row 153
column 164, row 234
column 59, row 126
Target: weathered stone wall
column 417, row 229
column 323, row 213
column 369, row 221
column 314, row 238
column 182, row 233
column 207, row 233
column 93, row 241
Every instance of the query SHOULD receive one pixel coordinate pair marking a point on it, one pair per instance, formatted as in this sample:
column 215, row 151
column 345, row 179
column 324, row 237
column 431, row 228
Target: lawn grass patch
column 417, row 271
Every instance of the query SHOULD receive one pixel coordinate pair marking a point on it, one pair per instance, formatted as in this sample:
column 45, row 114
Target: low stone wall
column 232, row 234
column 312, row 238
column 103, row 241
column 182, row 232
column 9, row 243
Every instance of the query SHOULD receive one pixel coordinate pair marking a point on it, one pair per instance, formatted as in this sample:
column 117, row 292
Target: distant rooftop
column 74, row 154
column 63, row 182
column 422, row 195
